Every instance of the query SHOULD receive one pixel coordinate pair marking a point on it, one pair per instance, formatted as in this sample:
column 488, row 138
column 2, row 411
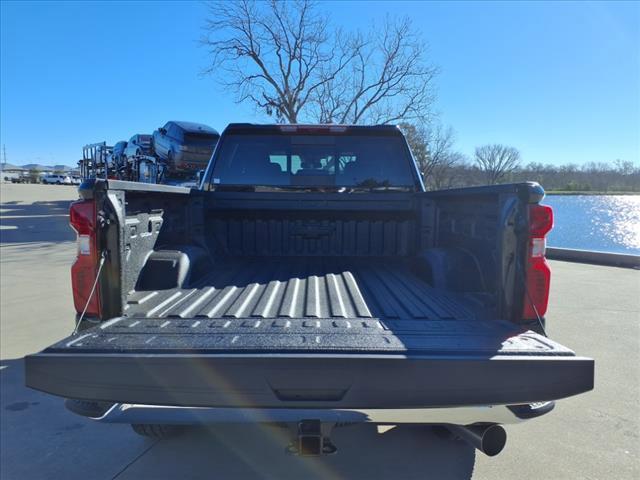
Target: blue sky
column 559, row 81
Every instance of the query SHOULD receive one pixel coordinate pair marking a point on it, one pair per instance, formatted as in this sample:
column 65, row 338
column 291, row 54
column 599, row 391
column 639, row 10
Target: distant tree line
column 616, row 176
column 442, row 166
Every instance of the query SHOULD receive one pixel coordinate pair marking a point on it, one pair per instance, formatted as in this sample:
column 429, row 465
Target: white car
column 57, row 179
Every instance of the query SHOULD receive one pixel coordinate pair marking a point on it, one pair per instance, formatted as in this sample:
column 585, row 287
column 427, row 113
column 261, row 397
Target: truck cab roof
column 311, row 128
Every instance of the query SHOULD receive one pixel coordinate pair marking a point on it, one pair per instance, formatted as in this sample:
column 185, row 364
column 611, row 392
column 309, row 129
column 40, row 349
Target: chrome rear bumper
column 151, row 414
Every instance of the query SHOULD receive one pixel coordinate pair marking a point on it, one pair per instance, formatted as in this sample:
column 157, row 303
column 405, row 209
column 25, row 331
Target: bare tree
column 387, row 80
column 445, row 174
column 418, row 139
column 624, row 167
column 496, row 161
column 432, row 148
column 285, row 59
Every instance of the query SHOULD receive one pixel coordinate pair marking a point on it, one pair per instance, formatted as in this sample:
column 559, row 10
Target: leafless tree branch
column 496, row 161
column 284, row 58
column 433, row 149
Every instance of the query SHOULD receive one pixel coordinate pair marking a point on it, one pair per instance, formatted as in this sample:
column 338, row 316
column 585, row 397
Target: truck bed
column 318, row 305
column 320, row 319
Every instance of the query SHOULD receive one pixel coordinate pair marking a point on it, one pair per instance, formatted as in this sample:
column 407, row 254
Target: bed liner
column 317, row 305
column 295, row 287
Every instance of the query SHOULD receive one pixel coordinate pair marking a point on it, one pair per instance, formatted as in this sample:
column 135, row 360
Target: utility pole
column 4, row 154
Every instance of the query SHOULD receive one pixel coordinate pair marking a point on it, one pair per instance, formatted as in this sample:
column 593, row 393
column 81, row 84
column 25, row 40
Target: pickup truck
column 312, row 281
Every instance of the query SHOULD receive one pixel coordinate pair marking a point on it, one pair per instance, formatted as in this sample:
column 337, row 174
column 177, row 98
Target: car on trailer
column 184, row 146
column 139, row 144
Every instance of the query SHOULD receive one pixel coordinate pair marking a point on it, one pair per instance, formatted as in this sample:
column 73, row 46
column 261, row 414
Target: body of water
column 607, row 223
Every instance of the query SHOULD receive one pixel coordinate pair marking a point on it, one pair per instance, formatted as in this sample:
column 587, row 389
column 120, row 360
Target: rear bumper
column 188, row 160
column 323, row 381
column 149, row 414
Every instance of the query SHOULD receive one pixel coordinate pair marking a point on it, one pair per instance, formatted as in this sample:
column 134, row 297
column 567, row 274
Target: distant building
column 9, row 171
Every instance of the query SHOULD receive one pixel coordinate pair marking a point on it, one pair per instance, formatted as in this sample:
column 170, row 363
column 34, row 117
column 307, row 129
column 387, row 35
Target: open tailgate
column 323, row 363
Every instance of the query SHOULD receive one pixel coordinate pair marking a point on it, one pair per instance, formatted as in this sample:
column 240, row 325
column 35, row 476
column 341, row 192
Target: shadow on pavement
column 41, row 439
column 35, row 222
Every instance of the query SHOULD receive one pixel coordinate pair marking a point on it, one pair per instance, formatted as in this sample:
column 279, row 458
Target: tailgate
column 325, row 363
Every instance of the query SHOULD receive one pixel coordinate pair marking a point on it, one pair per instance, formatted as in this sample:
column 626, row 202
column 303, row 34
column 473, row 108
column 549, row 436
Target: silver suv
column 55, row 179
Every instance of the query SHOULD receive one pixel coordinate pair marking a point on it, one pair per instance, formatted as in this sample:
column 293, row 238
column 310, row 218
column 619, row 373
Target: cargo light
column 314, row 128
column 82, row 218
column 538, row 273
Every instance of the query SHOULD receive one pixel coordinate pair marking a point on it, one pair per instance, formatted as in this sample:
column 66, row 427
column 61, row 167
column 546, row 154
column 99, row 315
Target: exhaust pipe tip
column 494, row 438
column 489, row 439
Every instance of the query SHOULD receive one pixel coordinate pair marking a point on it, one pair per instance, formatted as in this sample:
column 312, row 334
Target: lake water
column 608, row 223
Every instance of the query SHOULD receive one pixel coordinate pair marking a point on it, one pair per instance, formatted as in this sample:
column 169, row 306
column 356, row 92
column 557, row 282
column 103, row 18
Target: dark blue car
column 185, row 146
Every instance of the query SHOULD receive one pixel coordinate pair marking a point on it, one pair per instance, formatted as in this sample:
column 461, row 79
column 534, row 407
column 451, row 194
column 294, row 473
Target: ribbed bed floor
column 314, row 288
column 307, row 305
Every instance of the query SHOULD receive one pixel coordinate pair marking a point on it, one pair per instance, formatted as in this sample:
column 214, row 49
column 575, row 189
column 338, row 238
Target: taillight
column 536, row 298
column 82, row 217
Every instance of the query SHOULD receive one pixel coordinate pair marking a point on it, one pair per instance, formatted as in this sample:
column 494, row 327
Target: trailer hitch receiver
column 312, row 439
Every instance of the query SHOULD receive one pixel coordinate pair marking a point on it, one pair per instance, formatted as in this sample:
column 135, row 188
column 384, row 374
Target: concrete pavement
column 594, row 310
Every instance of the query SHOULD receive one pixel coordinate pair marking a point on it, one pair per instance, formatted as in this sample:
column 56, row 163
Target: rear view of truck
column 311, row 280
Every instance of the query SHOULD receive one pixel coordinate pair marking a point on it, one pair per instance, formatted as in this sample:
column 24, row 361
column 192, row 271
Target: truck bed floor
column 311, row 288
column 310, row 306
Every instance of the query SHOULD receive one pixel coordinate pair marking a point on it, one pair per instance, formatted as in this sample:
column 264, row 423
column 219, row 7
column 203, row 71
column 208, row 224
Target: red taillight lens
column 536, row 299
column 540, row 220
column 82, row 217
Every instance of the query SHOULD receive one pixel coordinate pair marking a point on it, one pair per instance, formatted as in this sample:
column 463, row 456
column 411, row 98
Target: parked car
column 76, row 180
column 22, row 177
column 139, row 144
column 56, row 179
column 185, row 145
column 118, row 153
column 311, row 280
column 119, row 148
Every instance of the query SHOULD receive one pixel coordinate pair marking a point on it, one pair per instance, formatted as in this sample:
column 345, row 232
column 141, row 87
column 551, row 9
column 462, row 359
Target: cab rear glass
column 368, row 161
